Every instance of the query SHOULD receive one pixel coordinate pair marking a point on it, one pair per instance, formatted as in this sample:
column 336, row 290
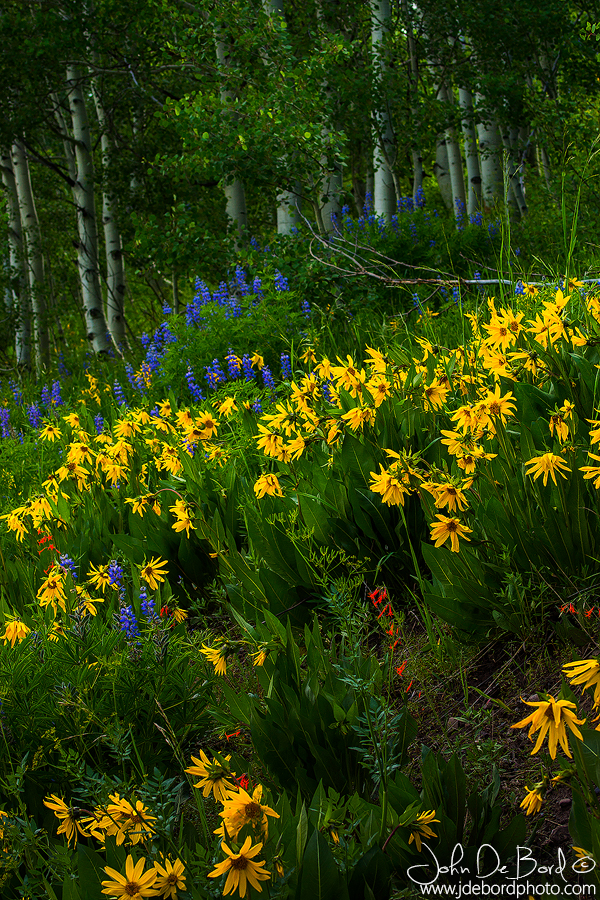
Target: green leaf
column 454, row 786
column 301, row 835
column 90, row 867
column 319, row 878
column 371, row 876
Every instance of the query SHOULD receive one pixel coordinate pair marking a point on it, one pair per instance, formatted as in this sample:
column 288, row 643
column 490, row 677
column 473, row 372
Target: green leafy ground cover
column 291, row 572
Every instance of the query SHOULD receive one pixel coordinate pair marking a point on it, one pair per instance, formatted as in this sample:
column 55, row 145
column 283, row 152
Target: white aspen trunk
column 519, row 142
column 417, row 158
column 288, row 211
column 455, row 162
column 332, row 180
column 331, row 189
column 516, row 199
column 384, row 145
column 441, row 171
column 465, row 101
column 115, row 273
column 135, row 133
column 175, row 282
column 30, row 227
column 288, row 201
column 235, row 196
column 370, row 184
column 492, row 182
column 18, row 297
column 83, row 192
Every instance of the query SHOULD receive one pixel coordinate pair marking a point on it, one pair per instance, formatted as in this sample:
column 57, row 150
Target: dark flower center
column 240, row 863
column 253, row 811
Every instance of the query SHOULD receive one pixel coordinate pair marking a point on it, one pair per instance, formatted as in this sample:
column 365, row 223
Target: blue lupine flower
column 130, row 374
column 4, row 419
column 417, row 304
column 368, row 206
column 257, row 407
column 286, row 368
column 267, row 378
column 306, row 308
column 326, row 388
column 34, row 415
column 115, row 573
column 247, row 367
column 67, row 563
column 99, row 424
column 118, row 390
column 257, row 288
column 147, row 604
column 16, row 392
column 394, row 223
column 145, row 339
column 254, row 243
column 128, row 622
column 167, row 310
column 214, row 374
column 420, row 198
column 519, row 289
column 281, row 282
column 517, row 251
column 193, row 387
column 46, row 397
column 476, row 218
column 412, row 227
column 62, row 369
column 56, row 398
column 460, row 213
column 456, row 296
column 234, row 366
column 240, row 277
column 221, row 295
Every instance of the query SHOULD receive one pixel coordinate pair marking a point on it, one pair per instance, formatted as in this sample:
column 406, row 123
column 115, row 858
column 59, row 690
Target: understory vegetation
column 277, row 587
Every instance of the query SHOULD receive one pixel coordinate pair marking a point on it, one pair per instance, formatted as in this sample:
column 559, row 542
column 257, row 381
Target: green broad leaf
column 319, row 877
column 356, row 459
column 406, row 729
column 507, row 840
column 371, row 876
column 70, row 892
column 588, row 753
column 455, row 790
column 301, row 835
column 90, row 867
column 579, row 822
column 239, row 704
column 133, row 548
